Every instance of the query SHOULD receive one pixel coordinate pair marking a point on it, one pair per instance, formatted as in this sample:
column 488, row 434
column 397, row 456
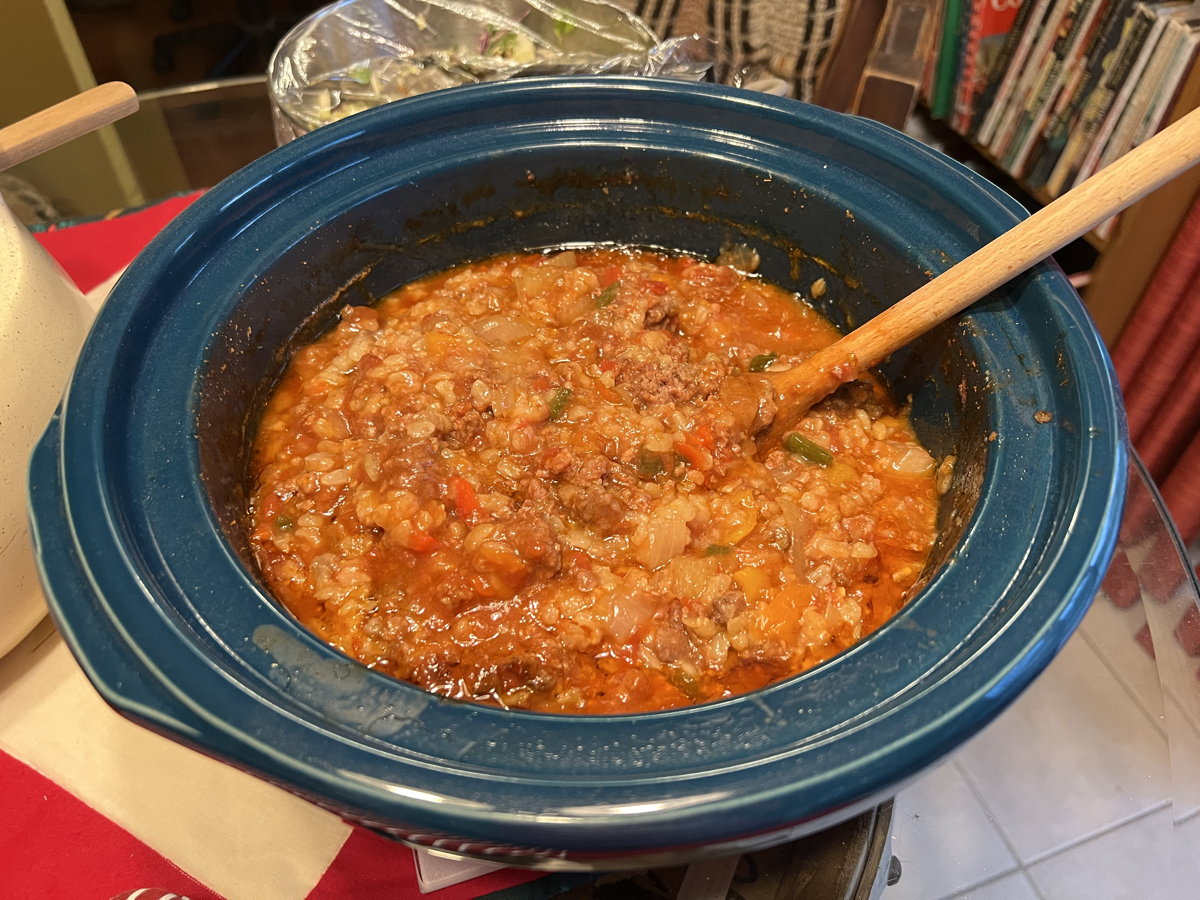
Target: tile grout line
column 1025, row 868
column 1023, row 864
column 1169, row 697
column 992, row 879
column 1170, row 693
column 1155, row 722
column 991, row 816
column 1010, row 864
column 995, row 820
column 1159, row 730
column 1108, row 829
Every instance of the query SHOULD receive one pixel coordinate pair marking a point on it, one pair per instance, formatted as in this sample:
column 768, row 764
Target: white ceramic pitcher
column 43, row 320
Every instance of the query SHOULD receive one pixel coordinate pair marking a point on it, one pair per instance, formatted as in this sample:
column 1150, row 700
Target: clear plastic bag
column 356, row 54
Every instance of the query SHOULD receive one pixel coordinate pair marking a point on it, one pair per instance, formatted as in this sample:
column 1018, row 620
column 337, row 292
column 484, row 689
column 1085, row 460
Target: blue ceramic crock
column 137, row 489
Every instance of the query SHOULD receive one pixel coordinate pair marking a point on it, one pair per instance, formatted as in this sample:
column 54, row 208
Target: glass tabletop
column 191, row 137
column 181, row 139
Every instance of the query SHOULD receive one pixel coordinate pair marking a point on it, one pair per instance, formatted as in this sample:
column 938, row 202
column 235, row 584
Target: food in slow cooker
column 532, row 481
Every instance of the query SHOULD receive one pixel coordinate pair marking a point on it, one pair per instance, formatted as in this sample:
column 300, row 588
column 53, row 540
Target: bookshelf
column 1049, row 91
column 1142, row 235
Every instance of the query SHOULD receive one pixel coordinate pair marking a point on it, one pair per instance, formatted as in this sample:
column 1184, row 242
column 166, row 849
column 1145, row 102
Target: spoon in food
column 64, row 121
column 1143, row 169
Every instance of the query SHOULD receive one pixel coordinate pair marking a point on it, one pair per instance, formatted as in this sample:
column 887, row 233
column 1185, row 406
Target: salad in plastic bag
column 357, row 54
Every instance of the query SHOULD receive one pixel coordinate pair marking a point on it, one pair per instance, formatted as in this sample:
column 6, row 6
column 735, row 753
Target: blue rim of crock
column 683, row 778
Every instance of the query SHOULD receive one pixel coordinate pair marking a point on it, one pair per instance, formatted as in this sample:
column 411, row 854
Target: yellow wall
column 41, row 63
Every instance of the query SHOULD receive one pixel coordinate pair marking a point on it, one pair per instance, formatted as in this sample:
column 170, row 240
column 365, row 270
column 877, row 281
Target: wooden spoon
column 1137, row 173
column 64, row 121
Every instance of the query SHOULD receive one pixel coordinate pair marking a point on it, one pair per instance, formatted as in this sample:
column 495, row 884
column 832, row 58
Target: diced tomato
column 422, row 542
column 607, row 393
column 694, row 455
column 608, row 275
column 269, row 507
column 704, row 436
column 481, row 586
column 462, row 495
column 577, row 559
column 658, row 288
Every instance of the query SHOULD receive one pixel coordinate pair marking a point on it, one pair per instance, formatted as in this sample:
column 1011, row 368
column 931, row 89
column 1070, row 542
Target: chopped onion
column 573, row 306
column 914, row 462
column 800, row 527
column 504, row 330
column 664, row 535
column 827, row 548
column 945, row 475
column 630, row 610
column 700, row 579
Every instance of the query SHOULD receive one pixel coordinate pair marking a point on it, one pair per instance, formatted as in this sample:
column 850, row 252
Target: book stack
column 1054, row 90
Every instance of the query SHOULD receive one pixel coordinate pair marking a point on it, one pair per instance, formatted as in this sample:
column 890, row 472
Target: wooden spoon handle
column 57, row 124
column 1137, row 173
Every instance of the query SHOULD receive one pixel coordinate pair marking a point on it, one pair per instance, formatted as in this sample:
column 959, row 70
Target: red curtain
column 1157, row 358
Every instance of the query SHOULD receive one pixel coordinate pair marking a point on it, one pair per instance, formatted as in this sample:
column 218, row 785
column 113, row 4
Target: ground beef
column 855, row 395
column 465, row 423
column 595, row 504
column 726, row 605
column 533, row 536
column 664, row 375
column 671, row 640
column 661, row 311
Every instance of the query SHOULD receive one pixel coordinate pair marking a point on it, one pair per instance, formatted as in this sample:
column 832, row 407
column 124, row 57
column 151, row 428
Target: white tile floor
column 1084, row 788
